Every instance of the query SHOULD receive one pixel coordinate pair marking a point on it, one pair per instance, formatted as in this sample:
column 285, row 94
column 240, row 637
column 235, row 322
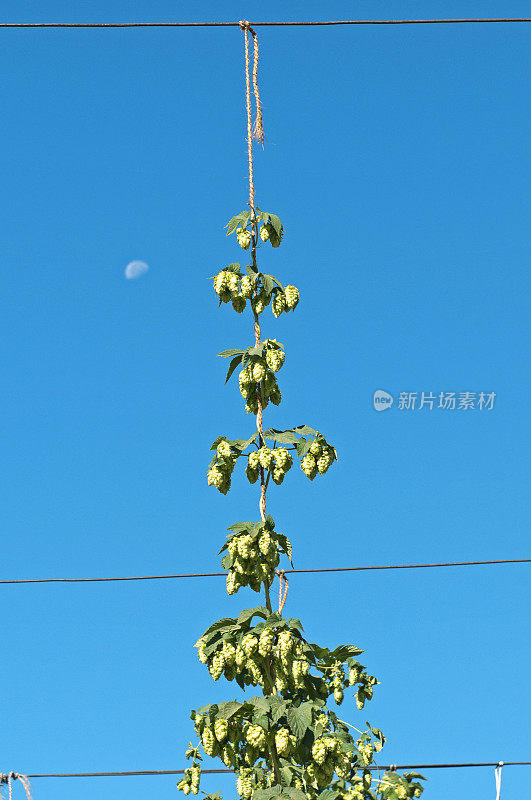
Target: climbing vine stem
column 286, row 743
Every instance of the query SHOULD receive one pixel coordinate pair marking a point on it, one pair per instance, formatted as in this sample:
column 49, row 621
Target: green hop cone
column 203, row 658
column 223, row 449
column 315, row 449
column 244, row 545
column 278, row 475
column 220, row 282
column 244, row 382
column 232, row 583
column 264, row 542
column 338, row 695
column 325, row 460
column 216, row 666
column 282, row 742
column 238, row 303
column 264, row 233
column 258, row 371
column 292, row 297
column 255, row 735
column 227, row 755
column 319, row 751
column 246, row 287
column 260, row 302
column 195, row 777
column 283, row 459
column 281, row 682
column 221, row 729
column 265, row 642
column 275, row 359
column 249, row 644
column 309, row 466
column 229, row 652
column 353, row 675
column 221, row 480
column 244, row 238
column 278, row 304
column 285, row 642
column 252, row 474
column 233, row 283
column 253, row 459
column 265, row 457
column 208, row 742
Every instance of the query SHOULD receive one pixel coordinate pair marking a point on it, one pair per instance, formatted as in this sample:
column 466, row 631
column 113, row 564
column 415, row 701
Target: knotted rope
column 497, row 778
column 7, row 779
column 282, row 591
column 256, row 132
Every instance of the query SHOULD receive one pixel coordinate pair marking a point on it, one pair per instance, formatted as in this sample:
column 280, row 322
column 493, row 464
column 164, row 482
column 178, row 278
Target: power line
column 259, row 24
column 218, row 771
column 286, row 571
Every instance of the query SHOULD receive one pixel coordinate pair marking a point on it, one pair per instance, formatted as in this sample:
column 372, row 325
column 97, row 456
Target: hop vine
column 289, row 740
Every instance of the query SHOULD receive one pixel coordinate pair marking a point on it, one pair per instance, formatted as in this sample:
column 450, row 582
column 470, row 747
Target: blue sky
column 397, row 159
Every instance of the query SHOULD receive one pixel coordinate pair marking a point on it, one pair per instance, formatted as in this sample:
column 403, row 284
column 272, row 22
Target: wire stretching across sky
column 285, row 571
column 219, row 771
column 262, row 24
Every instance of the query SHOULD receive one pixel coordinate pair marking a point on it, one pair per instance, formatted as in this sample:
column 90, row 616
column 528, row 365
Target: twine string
column 256, row 132
column 283, row 586
column 8, row 779
column 497, row 778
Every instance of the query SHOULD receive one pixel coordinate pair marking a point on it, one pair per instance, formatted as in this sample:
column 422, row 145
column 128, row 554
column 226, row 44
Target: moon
column 135, row 269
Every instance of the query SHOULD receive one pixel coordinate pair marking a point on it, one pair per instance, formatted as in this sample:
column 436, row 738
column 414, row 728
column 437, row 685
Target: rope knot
column 392, row 767
column 256, row 132
column 7, row 778
column 282, row 595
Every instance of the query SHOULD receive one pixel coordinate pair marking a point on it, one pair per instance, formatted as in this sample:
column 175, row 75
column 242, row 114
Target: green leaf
column 343, row 652
column 287, row 775
column 232, row 366
column 260, row 703
column 237, row 221
column 328, row 794
column 284, row 437
column 229, row 708
column 295, row 624
column 267, row 284
column 233, row 351
column 304, row 429
column 286, row 545
column 250, row 440
column 278, row 707
column 249, row 613
column 252, row 272
column 299, row 719
column 241, row 526
column 303, row 445
column 276, row 223
column 415, row 775
column 294, row 793
column 216, row 626
column 234, row 267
